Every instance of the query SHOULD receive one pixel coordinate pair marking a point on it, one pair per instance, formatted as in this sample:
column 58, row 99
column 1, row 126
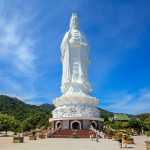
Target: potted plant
column 41, row 136
column 18, row 139
column 74, row 133
column 114, row 135
column 17, row 128
column 33, row 135
column 109, row 133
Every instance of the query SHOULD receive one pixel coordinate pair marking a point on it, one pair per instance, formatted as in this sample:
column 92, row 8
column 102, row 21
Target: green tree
column 146, row 124
column 38, row 120
column 134, row 123
column 143, row 116
column 104, row 115
column 116, row 125
column 6, row 123
column 16, row 126
column 125, row 125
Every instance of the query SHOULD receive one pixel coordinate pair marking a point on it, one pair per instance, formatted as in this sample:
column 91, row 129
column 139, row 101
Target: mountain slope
column 17, row 108
column 47, row 107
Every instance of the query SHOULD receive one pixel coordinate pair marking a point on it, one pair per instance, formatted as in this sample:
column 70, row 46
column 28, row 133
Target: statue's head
column 74, row 22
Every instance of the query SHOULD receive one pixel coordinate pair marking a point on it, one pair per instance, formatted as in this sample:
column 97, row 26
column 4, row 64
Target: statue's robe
column 75, row 51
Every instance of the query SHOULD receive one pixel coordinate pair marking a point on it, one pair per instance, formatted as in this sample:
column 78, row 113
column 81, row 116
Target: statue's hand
column 69, row 35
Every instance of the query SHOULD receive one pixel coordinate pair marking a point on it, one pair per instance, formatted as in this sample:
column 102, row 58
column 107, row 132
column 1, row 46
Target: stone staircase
column 71, row 134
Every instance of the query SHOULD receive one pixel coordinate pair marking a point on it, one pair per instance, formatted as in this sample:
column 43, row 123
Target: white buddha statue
column 75, row 60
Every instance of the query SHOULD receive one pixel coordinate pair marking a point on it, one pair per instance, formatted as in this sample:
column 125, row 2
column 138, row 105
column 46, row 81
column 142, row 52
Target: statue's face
column 74, row 24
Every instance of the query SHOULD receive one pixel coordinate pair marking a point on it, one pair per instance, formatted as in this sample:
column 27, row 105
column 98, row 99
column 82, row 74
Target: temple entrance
column 76, row 125
column 94, row 124
column 58, row 125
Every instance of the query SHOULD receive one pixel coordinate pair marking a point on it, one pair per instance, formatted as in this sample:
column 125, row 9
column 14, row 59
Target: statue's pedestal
column 76, row 111
column 80, row 123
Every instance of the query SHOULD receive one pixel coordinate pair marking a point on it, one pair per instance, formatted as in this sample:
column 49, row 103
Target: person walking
column 119, row 137
column 97, row 136
column 125, row 140
column 91, row 135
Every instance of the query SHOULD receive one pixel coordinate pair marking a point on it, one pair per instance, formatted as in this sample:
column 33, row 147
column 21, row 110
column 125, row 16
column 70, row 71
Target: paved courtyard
column 68, row 144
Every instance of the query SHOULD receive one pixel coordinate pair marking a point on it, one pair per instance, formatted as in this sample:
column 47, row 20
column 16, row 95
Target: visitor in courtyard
column 125, row 140
column 91, row 135
column 102, row 134
column 119, row 137
column 49, row 134
column 97, row 136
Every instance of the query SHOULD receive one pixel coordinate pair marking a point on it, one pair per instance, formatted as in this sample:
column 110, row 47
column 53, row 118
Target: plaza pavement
column 68, row 144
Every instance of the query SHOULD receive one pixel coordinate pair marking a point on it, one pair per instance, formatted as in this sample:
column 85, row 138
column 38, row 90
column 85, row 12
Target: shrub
column 148, row 133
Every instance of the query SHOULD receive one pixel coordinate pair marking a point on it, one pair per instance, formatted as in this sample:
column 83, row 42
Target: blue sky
column 118, row 32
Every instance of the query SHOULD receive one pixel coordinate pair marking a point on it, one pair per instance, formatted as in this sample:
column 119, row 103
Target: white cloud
column 17, row 54
column 6, row 82
column 25, row 57
column 18, row 47
column 129, row 102
column 9, row 37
